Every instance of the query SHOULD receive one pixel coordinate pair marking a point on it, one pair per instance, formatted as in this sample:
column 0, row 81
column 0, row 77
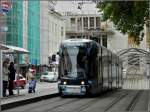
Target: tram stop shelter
column 136, row 63
column 7, row 49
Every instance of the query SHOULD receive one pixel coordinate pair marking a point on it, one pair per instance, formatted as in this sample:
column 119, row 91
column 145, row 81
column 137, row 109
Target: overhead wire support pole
column 149, row 55
column 0, row 78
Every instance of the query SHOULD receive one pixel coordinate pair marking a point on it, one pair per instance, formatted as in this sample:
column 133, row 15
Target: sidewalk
column 44, row 90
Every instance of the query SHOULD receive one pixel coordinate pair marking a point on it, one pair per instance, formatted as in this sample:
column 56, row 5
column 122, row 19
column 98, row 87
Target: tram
column 86, row 67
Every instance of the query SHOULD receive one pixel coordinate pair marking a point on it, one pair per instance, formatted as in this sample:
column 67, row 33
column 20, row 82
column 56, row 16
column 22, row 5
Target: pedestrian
column 32, row 85
column 29, row 75
column 5, row 77
column 31, row 81
column 12, row 74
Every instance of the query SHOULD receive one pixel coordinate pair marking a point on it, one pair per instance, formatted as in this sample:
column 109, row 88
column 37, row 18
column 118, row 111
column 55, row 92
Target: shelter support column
column 149, row 64
column 1, row 80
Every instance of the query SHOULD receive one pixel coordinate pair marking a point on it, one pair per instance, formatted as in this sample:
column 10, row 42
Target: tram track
column 129, row 107
column 134, row 101
column 86, row 105
column 116, row 100
column 62, row 104
column 59, row 100
column 82, row 106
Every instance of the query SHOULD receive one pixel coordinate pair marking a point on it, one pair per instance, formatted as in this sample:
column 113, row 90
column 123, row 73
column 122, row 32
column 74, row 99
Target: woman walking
column 31, row 80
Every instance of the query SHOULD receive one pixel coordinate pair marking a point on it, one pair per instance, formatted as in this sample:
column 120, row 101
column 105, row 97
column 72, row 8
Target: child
column 32, row 85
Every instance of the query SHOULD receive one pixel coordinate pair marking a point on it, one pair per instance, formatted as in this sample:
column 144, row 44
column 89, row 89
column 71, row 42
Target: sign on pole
column 5, row 6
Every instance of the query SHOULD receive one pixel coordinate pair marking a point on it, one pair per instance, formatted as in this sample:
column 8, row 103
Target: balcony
column 107, row 27
column 74, row 29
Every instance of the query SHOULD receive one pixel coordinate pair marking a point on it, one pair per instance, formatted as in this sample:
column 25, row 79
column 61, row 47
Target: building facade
column 3, row 28
column 15, row 25
column 85, row 26
column 33, row 26
column 34, row 31
column 14, row 34
column 23, row 29
column 90, row 26
column 52, row 32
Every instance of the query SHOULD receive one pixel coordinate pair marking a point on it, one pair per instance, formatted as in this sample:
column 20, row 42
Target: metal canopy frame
column 134, row 59
column 13, row 49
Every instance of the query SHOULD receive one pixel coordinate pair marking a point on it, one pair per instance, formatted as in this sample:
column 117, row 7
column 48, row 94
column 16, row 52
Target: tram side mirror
column 58, row 53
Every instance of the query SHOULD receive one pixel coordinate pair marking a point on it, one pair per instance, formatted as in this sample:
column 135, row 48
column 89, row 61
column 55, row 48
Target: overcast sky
column 72, row 6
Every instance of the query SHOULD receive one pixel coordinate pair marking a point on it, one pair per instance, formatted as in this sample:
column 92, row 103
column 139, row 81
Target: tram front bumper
column 73, row 89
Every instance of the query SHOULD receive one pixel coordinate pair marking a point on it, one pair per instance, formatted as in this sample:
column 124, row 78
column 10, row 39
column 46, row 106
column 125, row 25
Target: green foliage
column 128, row 16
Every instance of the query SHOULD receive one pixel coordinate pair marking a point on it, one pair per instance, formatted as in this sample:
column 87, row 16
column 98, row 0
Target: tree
column 129, row 17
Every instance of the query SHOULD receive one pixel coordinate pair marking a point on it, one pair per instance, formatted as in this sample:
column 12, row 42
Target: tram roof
column 77, row 40
column 85, row 41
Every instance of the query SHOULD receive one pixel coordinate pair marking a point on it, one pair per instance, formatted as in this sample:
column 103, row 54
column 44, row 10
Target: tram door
column 105, row 68
column 100, row 70
column 117, row 73
column 109, row 70
column 114, row 73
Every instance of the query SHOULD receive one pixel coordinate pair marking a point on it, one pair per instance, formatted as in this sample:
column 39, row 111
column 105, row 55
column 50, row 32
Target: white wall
column 56, row 24
column 117, row 41
column 143, row 44
column 25, row 29
column 44, row 50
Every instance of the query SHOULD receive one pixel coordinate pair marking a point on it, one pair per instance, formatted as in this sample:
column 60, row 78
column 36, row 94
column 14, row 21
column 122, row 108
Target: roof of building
column 77, row 40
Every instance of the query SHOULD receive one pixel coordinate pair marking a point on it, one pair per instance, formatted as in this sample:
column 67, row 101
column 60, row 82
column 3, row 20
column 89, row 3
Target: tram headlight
column 82, row 82
column 64, row 82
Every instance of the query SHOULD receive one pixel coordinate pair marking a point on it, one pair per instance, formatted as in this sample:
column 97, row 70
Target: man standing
column 11, row 77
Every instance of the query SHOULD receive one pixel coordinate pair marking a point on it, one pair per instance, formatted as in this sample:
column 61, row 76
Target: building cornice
column 56, row 14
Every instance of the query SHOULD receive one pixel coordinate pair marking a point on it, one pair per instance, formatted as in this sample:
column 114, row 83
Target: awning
column 14, row 50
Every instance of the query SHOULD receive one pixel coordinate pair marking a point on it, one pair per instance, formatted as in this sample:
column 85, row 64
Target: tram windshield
column 73, row 61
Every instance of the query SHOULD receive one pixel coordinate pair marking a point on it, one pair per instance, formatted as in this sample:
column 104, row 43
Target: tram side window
column 120, row 72
column 100, row 65
column 114, row 72
column 60, row 66
column 93, row 62
column 113, row 67
column 81, row 57
column 105, row 64
column 65, row 62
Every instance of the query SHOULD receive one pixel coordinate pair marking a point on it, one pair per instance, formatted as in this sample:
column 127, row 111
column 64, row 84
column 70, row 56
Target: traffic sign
column 3, row 28
column 5, row 6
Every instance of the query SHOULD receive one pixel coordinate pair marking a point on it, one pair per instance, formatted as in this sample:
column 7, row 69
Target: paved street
column 114, row 101
column 42, row 89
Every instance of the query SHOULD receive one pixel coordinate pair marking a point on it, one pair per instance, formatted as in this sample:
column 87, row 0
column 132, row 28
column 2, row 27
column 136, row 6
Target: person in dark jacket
column 11, row 77
column 5, row 77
